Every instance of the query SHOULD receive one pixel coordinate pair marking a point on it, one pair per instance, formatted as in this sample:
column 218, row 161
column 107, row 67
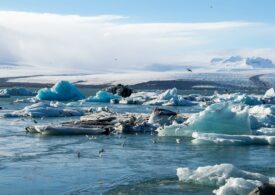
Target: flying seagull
column 188, row 69
column 100, row 152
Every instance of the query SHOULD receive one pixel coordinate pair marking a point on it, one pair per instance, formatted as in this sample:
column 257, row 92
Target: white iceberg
column 103, row 96
column 227, row 177
column 42, row 109
column 221, row 118
column 238, row 186
column 217, row 118
column 269, row 93
column 61, row 91
column 139, row 98
column 170, row 98
column 262, row 116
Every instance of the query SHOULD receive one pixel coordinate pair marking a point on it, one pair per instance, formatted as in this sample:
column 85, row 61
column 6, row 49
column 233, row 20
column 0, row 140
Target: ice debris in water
column 223, row 139
column 237, row 98
column 45, row 110
column 269, row 93
column 228, row 178
column 61, row 91
column 262, row 116
column 103, row 96
column 170, row 98
column 16, row 92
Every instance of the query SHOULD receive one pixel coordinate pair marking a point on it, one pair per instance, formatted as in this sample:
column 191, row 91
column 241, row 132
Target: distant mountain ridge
column 241, row 62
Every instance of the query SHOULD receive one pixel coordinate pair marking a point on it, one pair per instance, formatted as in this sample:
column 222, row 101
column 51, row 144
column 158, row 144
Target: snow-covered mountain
column 239, row 62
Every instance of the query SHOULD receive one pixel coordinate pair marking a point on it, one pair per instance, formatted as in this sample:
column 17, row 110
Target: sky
column 98, row 35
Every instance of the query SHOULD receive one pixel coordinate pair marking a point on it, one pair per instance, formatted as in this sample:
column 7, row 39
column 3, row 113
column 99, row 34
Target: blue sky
column 155, row 10
column 140, row 33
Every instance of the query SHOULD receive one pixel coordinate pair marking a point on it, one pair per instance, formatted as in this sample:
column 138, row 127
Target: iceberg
column 216, row 175
column 16, row 92
column 61, row 91
column 238, row 186
column 223, row 139
column 269, row 93
column 217, row 118
column 42, row 109
column 170, row 98
column 139, row 98
column 262, row 116
column 221, row 118
column 103, row 96
column 229, row 179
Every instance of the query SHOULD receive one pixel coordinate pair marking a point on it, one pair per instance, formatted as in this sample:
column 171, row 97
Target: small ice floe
column 269, row 97
column 170, row 98
column 237, row 98
column 42, row 109
column 61, row 91
column 103, row 96
column 177, row 141
column 27, row 100
column 16, row 92
column 227, row 178
column 262, row 116
column 223, row 139
column 139, row 98
column 64, row 130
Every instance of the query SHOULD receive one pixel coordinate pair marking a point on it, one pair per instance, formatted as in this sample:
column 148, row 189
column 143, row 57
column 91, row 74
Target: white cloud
column 92, row 43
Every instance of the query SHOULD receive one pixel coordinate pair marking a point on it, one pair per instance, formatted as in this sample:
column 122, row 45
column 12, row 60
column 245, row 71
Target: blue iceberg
column 103, row 96
column 61, row 91
column 16, row 92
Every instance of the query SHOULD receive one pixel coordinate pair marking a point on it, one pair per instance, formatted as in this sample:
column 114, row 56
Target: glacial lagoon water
column 131, row 164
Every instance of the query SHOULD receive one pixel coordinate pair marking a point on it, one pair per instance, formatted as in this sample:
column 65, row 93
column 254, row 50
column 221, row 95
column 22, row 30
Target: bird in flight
column 188, row 69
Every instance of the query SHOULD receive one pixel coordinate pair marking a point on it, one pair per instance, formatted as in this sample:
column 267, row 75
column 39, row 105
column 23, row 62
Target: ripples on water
column 32, row 164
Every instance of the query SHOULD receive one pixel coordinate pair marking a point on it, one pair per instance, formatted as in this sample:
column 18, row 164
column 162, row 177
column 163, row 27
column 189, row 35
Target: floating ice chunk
column 178, row 101
column 217, row 175
column 238, row 186
column 223, row 139
column 266, row 131
column 175, row 130
column 170, row 98
column 61, row 91
column 248, row 100
column 17, row 92
column 237, row 98
column 217, row 118
column 262, row 116
column 221, row 118
column 27, row 100
column 65, row 130
column 45, row 110
column 269, row 93
column 139, row 98
column 103, row 96
column 168, row 94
